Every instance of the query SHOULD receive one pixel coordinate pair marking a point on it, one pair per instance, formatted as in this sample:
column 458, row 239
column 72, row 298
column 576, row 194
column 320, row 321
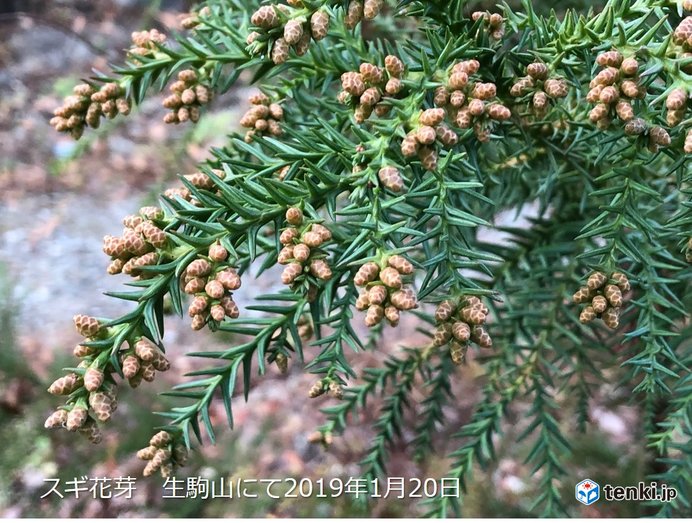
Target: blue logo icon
column 587, row 492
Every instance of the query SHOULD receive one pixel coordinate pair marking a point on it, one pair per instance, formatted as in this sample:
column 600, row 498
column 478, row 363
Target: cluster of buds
column 383, row 293
column 604, row 297
column 86, row 106
column 612, row 91
column 366, row 88
column 200, row 180
column 141, row 361
column 186, row 98
column 459, row 323
column 358, row 11
column 75, row 418
column 682, row 35
column 301, row 252
column 493, row 22
column 425, row 135
column 136, row 248
column 211, row 280
column 676, row 104
column 331, row 385
column 146, row 42
column 262, row 117
column 540, row 87
column 164, row 453
column 470, row 103
column 285, row 27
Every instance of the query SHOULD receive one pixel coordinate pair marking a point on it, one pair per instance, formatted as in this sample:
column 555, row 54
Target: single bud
column 319, row 24
column 461, row 331
column 291, row 272
column 354, row 14
column 596, row 280
column 230, row 307
column 214, row 289
column 265, row 17
column 404, row 299
column 391, row 277
column 65, row 385
column 198, row 306
column 609, row 58
column 614, row 295
column 444, row 311
column 229, row 278
column 392, row 314
column 374, row 315
column 583, row 295
column 294, row 216
column 457, row 352
column 280, row 51
column 56, row 419
column 199, row 267
column 401, row 264
column 293, row 31
column 316, row 390
column 537, row 70
column 288, row 236
column 377, row 295
column 629, row 66
column 587, row 315
column 621, row 281
column 480, row 336
column 93, row 379
column 624, row 111
column 320, row 269
column 599, row 304
column 391, row 178
column 659, row 136
column 102, row 404
column 76, row 418
column 611, row 317
column 367, row 273
column 635, row 127
column 86, row 326
column 217, row 252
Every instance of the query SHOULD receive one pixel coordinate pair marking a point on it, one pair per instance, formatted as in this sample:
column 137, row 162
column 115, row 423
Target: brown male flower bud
column 367, row 273
column 457, row 352
column 587, row 315
column 674, row 117
column 444, row 311
column 461, row 331
column 608, row 95
column 354, row 14
column 363, row 300
column 426, row 135
column 76, row 418
column 441, row 97
column 319, row 24
column 291, row 272
column 160, row 440
column 484, row 91
column 199, row 267
column 353, row 83
column 320, row 269
column 265, row 17
column 316, row 390
column 499, row 112
column 409, row 146
column 336, row 390
column 609, row 58
column 288, row 236
column 611, row 317
column 401, row 264
column 613, row 295
column 446, row 135
column 102, row 404
column 377, row 295
column 65, row 385
column 404, row 299
column 635, row 127
column 630, row 89
column 677, row 99
column 86, row 326
column 583, row 295
column 607, row 76
column 370, row 97
column 683, row 31
column 280, row 51
column 130, row 366
column 476, row 107
column 393, row 87
column 457, row 98
column 230, row 306
column 390, row 177
column 458, row 80
column 217, row 252
column 621, row 281
column 214, row 289
column 374, row 315
column 198, row 306
column 428, row 158
column 537, row 70
column 442, row 335
column 293, row 31
column 394, row 65
column 391, row 277
column 659, row 136
column 312, row 239
column 301, row 252
column 432, row 117
column 599, row 304
column 629, row 66
column 370, row 73
column 539, row 100
column 392, row 315
column 600, row 112
column 371, row 8
column 596, row 280
column 480, row 336
column 624, row 111
column 56, row 419
column 294, row 216
column 194, row 286
column 93, row 379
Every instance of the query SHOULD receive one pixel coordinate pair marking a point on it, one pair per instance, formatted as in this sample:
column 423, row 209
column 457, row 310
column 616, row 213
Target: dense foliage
column 379, row 154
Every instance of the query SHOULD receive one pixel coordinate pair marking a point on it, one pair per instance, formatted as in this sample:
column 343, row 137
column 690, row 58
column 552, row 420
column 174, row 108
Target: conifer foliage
column 383, row 142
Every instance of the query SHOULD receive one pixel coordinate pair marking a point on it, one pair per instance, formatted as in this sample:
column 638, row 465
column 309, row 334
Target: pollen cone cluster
column 367, row 89
column 676, row 105
column 331, row 385
column 358, row 11
column 539, row 88
column 137, row 247
column 200, row 180
column 383, row 293
column 459, row 323
column 605, row 297
column 87, row 105
column 493, row 22
column 263, row 117
column 141, row 361
column 211, row 280
column 613, row 90
column 302, row 252
column 279, row 28
column 469, row 102
column 163, row 454
column 145, row 43
column 187, row 96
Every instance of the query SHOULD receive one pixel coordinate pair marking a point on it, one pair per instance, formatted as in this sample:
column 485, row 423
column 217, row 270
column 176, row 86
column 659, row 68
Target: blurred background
column 59, row 198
